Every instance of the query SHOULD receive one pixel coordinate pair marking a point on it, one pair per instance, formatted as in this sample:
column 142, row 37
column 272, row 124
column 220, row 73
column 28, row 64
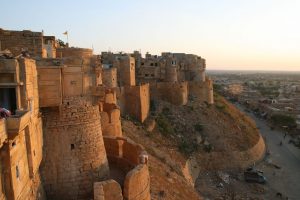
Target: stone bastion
column 74, row 153
column 225, row 160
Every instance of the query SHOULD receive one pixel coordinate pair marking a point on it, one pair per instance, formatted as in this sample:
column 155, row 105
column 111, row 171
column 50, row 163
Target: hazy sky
column 230, row 34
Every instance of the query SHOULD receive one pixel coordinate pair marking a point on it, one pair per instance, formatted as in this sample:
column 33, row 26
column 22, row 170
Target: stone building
column 64, row 138
column 174, row 77
column 76, row 128
column 21, row 133
column 133, row 99
column 84, row 154
column 35, row 43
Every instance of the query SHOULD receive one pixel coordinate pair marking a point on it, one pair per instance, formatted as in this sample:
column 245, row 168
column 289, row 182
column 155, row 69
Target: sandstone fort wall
column 201, row 90
column 175, row 93
column 131, row 157
column 74, row 52
column 110, row 77
column 74, row 154
column 107, row 190
column 17, row 41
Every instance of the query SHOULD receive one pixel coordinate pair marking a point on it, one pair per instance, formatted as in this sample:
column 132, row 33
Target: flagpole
column 67, row 34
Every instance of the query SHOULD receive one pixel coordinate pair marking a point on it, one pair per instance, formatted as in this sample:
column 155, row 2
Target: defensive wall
column 203, row 91
column 18, row 41
column 134, row 101
column 110, row 77
column 175, row 93
column 74, row 153
column 110, row 114
column 219, row 160
column 74, row 52
column 132, row 159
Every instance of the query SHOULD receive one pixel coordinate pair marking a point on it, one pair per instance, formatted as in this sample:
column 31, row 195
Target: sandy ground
column 281, row 167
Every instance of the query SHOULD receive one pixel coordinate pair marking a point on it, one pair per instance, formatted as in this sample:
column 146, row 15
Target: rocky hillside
column 173, row 134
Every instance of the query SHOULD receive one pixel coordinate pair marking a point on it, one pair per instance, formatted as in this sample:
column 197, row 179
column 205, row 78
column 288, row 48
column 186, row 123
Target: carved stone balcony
column 17, row 122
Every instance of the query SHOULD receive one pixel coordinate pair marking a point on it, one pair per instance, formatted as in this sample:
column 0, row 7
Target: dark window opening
column 17, row 172
column 151, row 64
column 13, row 144
column 156, row 64
column 72, row 146
column 8, row 99
column 146, row 75
column 142, row 63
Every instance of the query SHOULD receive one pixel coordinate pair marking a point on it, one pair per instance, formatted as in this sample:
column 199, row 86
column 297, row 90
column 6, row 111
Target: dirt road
column 285, row 180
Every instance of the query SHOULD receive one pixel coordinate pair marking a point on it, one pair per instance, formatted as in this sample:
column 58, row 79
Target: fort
column 64, row 137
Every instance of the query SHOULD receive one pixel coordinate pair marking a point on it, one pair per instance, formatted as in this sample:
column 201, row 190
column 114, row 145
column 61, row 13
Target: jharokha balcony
column 16, row 123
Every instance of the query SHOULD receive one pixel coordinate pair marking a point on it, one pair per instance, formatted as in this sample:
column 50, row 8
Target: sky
column 229, row 34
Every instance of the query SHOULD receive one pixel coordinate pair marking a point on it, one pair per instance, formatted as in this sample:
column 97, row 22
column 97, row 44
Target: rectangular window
column 17, row 172
column 8, row 99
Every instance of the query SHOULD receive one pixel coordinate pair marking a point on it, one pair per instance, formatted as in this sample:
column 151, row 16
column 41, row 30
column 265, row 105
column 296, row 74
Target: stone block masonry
column 109, row 190
column 132, row 159
column 175, row 93
column 17, row 41
column 74, row 154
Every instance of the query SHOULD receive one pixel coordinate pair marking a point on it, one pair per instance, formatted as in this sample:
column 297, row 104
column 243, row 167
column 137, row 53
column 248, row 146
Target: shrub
column 191, row 108
column 187, row 148
column 166, row 110
column 152, row 105
column 208, row 148
column 217, row 87
column 164, row 125
column 283, row 120
column 220, row 106
column 198, row 127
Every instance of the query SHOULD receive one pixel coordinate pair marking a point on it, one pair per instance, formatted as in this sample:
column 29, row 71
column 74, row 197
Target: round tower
column 74, row 153
column 171, row 74
column 75, row 52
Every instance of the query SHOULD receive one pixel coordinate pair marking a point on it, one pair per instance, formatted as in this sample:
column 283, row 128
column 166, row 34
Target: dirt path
column 286, row 156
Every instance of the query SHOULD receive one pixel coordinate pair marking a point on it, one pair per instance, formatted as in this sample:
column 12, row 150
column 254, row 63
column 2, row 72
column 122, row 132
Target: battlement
column 74, row 52
column 110, row 114
column 123, row 154
column 18, row 41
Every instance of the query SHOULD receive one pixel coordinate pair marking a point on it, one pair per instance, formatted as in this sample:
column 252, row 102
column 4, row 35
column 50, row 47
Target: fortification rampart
column 171, row 74
column 18, row 41
column 134, row 101
column 74, row 52
column 110, row 77
column 131, row 157
column 110, row 115
column 74, row 154
column 219, row 160
column 203, row 91
column 175, row 93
